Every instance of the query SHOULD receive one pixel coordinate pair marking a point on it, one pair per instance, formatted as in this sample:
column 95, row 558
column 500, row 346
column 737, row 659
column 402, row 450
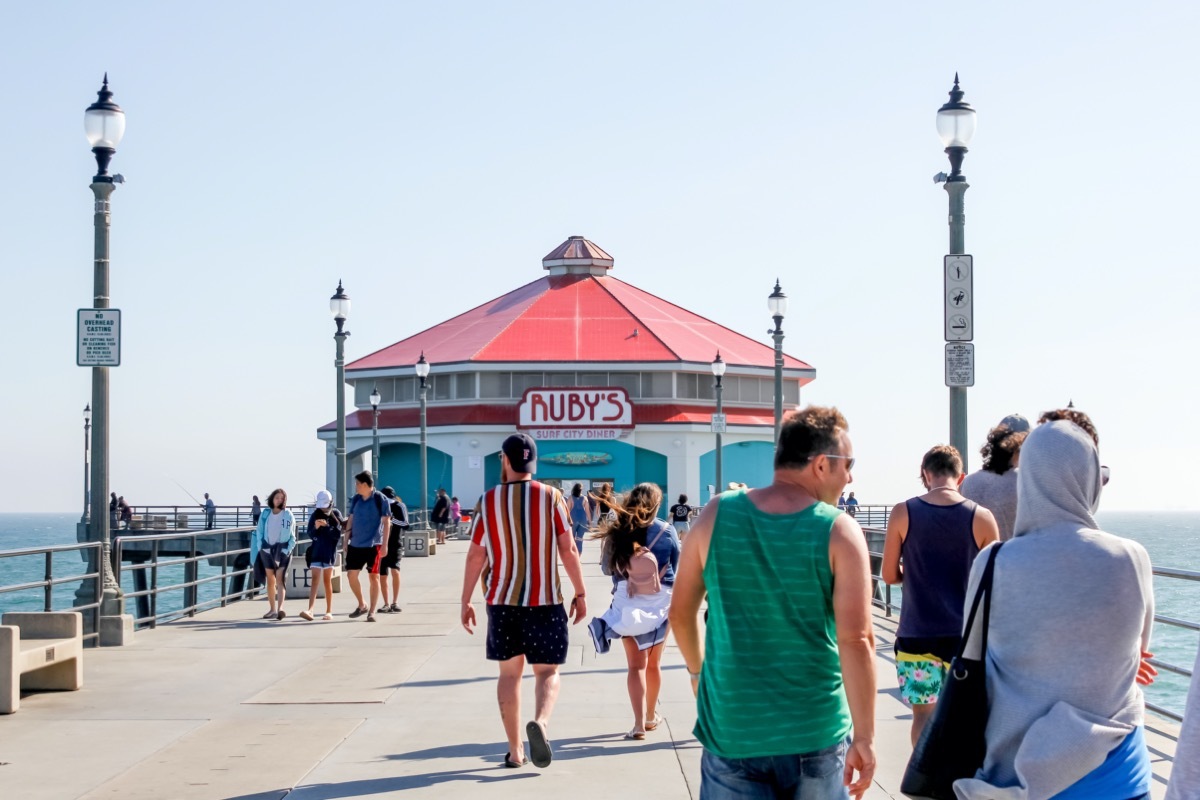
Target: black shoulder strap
column 379, row 504
column 984, row 592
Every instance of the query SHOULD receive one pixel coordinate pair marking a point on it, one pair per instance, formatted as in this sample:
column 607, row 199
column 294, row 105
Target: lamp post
column 422, row 368
column 777, row 304
column 339, row 306
column 718, row 369
column 955, row 127
column 104, row 125
column 87, row 447
column 375, row 398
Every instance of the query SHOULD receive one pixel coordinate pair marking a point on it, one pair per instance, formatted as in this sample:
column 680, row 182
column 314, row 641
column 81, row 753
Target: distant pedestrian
column 126, row 512
column 602, row 503
column 994, row 485
column 1185, row 774
column 271, row 546
column 369, row 528
column 440, row 515
column 325, row 534
column 938, row 534
column 681, row 516
column 1064, row 660
column 113, row 512
column 389, row 568
column 789, row 659
column 455, row 515
column 852, row 505
column 581, row 515
column 255, row 510
column 842, row 501
column 522, row 521
column 641, row 552
column 210, row 512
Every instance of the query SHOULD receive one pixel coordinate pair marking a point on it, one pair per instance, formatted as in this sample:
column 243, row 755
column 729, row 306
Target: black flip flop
column 539, row 746
column 508, row 761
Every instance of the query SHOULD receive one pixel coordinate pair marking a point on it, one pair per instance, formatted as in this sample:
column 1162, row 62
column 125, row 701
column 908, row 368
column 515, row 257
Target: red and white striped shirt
column 519, row 524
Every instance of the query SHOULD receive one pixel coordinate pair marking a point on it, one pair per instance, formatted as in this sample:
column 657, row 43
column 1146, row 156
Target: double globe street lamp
column 339, row 306
column 375, row 398
column 777, row 304
column 422, row 370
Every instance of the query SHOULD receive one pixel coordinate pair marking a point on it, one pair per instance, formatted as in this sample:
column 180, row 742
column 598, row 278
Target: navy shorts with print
column 537, row 632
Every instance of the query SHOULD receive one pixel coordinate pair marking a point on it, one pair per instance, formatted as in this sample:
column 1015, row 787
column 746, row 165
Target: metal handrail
column 91, row 553
column 1164, row 572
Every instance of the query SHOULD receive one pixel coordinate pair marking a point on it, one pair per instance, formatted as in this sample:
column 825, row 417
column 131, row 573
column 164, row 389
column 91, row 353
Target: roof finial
column 106, row 79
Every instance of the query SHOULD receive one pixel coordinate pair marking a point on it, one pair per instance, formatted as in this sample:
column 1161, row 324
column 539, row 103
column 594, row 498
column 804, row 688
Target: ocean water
column 1172, row 539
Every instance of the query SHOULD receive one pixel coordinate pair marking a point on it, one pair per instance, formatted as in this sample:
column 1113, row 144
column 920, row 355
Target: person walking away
column 324, row 534
column 440, row 515
column 522, row 521
column 210, row 512
column 455, row 515
column 369, row 527
column 390, row 567
column 1064, row 660
column 938, row 534
column 852, row 505
column 271, row 546
column 641, row 553
column 255, row 510
column 681, row 516
column 788, row 658
column 581, row 516
column 994, row 485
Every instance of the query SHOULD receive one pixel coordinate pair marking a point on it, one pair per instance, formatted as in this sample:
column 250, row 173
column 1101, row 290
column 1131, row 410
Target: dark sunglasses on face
column 848, row 459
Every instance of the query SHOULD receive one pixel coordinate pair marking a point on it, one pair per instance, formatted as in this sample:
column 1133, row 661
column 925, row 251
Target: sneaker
column 384, row 609
column 395, row 609
column 306, row 615
column 358, row 612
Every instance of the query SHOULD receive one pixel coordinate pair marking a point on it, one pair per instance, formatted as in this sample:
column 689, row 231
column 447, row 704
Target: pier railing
column 89, row 552
column 882, row 598
column 191, row 517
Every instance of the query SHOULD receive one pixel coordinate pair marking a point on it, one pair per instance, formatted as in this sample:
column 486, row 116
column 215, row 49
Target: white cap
column 324, row 499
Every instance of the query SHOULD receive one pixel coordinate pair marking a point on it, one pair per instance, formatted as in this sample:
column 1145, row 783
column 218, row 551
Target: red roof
column 439, row 415
column 577, row 317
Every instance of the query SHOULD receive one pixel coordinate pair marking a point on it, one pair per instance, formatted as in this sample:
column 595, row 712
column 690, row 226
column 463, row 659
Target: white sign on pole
column 959, row 273
column 99, row 337
column 718, row 423
column 960, row 364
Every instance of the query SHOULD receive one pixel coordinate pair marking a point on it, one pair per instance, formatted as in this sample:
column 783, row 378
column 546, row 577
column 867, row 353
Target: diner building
column 614, row 383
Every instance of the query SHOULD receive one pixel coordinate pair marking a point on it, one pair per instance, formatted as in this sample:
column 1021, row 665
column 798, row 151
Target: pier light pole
column 87, row 458
column 777, row 304
column 422, row 368
column 375, row 398
column 955, row 127
column 339, row 306
column 104, row 125
column 718, row 424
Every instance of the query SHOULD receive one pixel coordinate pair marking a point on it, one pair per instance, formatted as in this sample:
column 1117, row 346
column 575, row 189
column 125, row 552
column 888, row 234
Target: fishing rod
column 185, row 491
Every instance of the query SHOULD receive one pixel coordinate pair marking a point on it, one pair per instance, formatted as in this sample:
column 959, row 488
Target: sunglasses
column 849, row 460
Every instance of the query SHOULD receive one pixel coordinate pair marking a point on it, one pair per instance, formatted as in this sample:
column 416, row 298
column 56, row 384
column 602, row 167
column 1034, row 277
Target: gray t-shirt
column 996, row 493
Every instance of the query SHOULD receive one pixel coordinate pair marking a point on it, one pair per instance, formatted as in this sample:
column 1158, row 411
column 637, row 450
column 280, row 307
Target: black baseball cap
column 389, row 492
column 521, row 452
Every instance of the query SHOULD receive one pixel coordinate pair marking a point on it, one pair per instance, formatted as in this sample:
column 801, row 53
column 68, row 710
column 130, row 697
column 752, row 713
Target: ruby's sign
column 596, row 408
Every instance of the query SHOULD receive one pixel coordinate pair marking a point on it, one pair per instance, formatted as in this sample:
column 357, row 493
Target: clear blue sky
column 430, row 154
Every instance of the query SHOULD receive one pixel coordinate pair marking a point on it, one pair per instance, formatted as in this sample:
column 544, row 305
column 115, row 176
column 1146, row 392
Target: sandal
column 508, row 761
column 281, row 614
column 636, row 734
column 327, row 616
column 306, row 615
column 654, row 723
column 539, row 745
column 269, row 615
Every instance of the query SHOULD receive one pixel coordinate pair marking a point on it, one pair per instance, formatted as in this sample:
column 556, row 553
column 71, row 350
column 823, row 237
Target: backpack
column 643, row 575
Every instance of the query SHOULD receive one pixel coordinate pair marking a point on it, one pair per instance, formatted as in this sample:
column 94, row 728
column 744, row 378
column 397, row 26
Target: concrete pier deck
column 226, row 706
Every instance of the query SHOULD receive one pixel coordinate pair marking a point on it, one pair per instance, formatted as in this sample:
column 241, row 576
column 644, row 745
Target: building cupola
column 577, row 256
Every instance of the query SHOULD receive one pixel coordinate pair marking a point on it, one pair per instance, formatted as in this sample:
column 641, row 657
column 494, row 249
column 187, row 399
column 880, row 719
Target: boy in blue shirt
column 368, row 525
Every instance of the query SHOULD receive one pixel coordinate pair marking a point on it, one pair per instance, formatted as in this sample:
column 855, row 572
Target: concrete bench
column 39, row 650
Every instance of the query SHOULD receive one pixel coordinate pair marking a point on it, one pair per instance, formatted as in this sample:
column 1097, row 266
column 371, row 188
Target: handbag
column 953, row 743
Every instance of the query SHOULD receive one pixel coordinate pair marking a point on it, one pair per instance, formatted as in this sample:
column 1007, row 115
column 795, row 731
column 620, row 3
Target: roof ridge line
column 457, row 316
column 509, row 324
column 629, row 311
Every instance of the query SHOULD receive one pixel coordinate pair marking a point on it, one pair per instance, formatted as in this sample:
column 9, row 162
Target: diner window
column 593, row 379
column 464, row 386
column 526, row 380
column 406, row 390
column 791, row 393
column 362, row 393
column 560, row 379
column 629, row 381
column 387, row 391
column 685, row 385
column 440, row 386
column 495, row 384
column 704, row 387
column 658, row 384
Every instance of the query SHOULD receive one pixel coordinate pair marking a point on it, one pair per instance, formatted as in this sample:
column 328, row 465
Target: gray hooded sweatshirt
column 1072, row 609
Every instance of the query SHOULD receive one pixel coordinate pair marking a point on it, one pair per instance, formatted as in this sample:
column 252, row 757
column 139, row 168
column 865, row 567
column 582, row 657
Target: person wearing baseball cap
column 325, row 534
column 522, row 521
column 994, row 486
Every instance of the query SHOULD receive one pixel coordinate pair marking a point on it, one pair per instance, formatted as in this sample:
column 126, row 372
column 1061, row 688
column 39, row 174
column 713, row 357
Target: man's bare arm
column 851, row 566
column 897, row 528
column 476, row 560
column 689, row 590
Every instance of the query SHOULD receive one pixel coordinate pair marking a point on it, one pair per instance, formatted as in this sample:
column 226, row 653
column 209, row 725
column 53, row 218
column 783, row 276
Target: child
column 325, row 534
column 455, row 515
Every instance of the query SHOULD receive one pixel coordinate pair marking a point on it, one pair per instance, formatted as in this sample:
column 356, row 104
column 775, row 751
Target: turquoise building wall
column 751, row 463
column 400, row 468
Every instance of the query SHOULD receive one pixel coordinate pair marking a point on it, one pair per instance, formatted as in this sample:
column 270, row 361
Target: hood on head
column 1059, row 480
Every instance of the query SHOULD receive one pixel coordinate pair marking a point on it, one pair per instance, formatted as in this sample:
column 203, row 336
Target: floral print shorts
column 920, row 677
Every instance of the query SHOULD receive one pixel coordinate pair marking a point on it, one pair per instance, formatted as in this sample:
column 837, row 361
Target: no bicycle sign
column 99, row 337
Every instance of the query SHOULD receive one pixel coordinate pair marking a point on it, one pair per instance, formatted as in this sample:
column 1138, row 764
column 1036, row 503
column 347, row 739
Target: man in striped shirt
column 519, row 531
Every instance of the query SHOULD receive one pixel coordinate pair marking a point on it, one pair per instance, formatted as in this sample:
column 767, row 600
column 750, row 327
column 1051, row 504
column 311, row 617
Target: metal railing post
column 49, row 593
column 154, row 584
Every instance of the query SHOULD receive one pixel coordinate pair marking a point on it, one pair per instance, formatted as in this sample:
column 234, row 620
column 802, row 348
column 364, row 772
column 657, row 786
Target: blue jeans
column 808, row 776
column 580, row 531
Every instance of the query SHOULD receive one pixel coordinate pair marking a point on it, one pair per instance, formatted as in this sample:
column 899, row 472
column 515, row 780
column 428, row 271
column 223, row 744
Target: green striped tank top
column 772, row 680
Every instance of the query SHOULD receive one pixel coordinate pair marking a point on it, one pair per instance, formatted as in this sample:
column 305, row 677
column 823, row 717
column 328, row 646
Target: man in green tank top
column 787, row 662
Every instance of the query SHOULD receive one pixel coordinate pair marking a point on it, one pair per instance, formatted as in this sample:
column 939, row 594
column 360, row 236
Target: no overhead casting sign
column 99, row 337
column 582, row 413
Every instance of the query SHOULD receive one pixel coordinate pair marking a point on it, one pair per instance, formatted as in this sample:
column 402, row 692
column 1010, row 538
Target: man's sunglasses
column 849, row 460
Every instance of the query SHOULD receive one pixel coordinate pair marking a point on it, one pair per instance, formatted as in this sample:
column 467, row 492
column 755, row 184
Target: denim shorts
column 808, row 776
column 319, row 565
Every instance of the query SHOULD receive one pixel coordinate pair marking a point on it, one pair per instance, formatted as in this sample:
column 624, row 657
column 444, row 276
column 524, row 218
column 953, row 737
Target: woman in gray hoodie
column 1072, row 609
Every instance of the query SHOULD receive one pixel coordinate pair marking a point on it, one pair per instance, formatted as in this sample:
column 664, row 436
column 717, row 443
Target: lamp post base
column 116, row 630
